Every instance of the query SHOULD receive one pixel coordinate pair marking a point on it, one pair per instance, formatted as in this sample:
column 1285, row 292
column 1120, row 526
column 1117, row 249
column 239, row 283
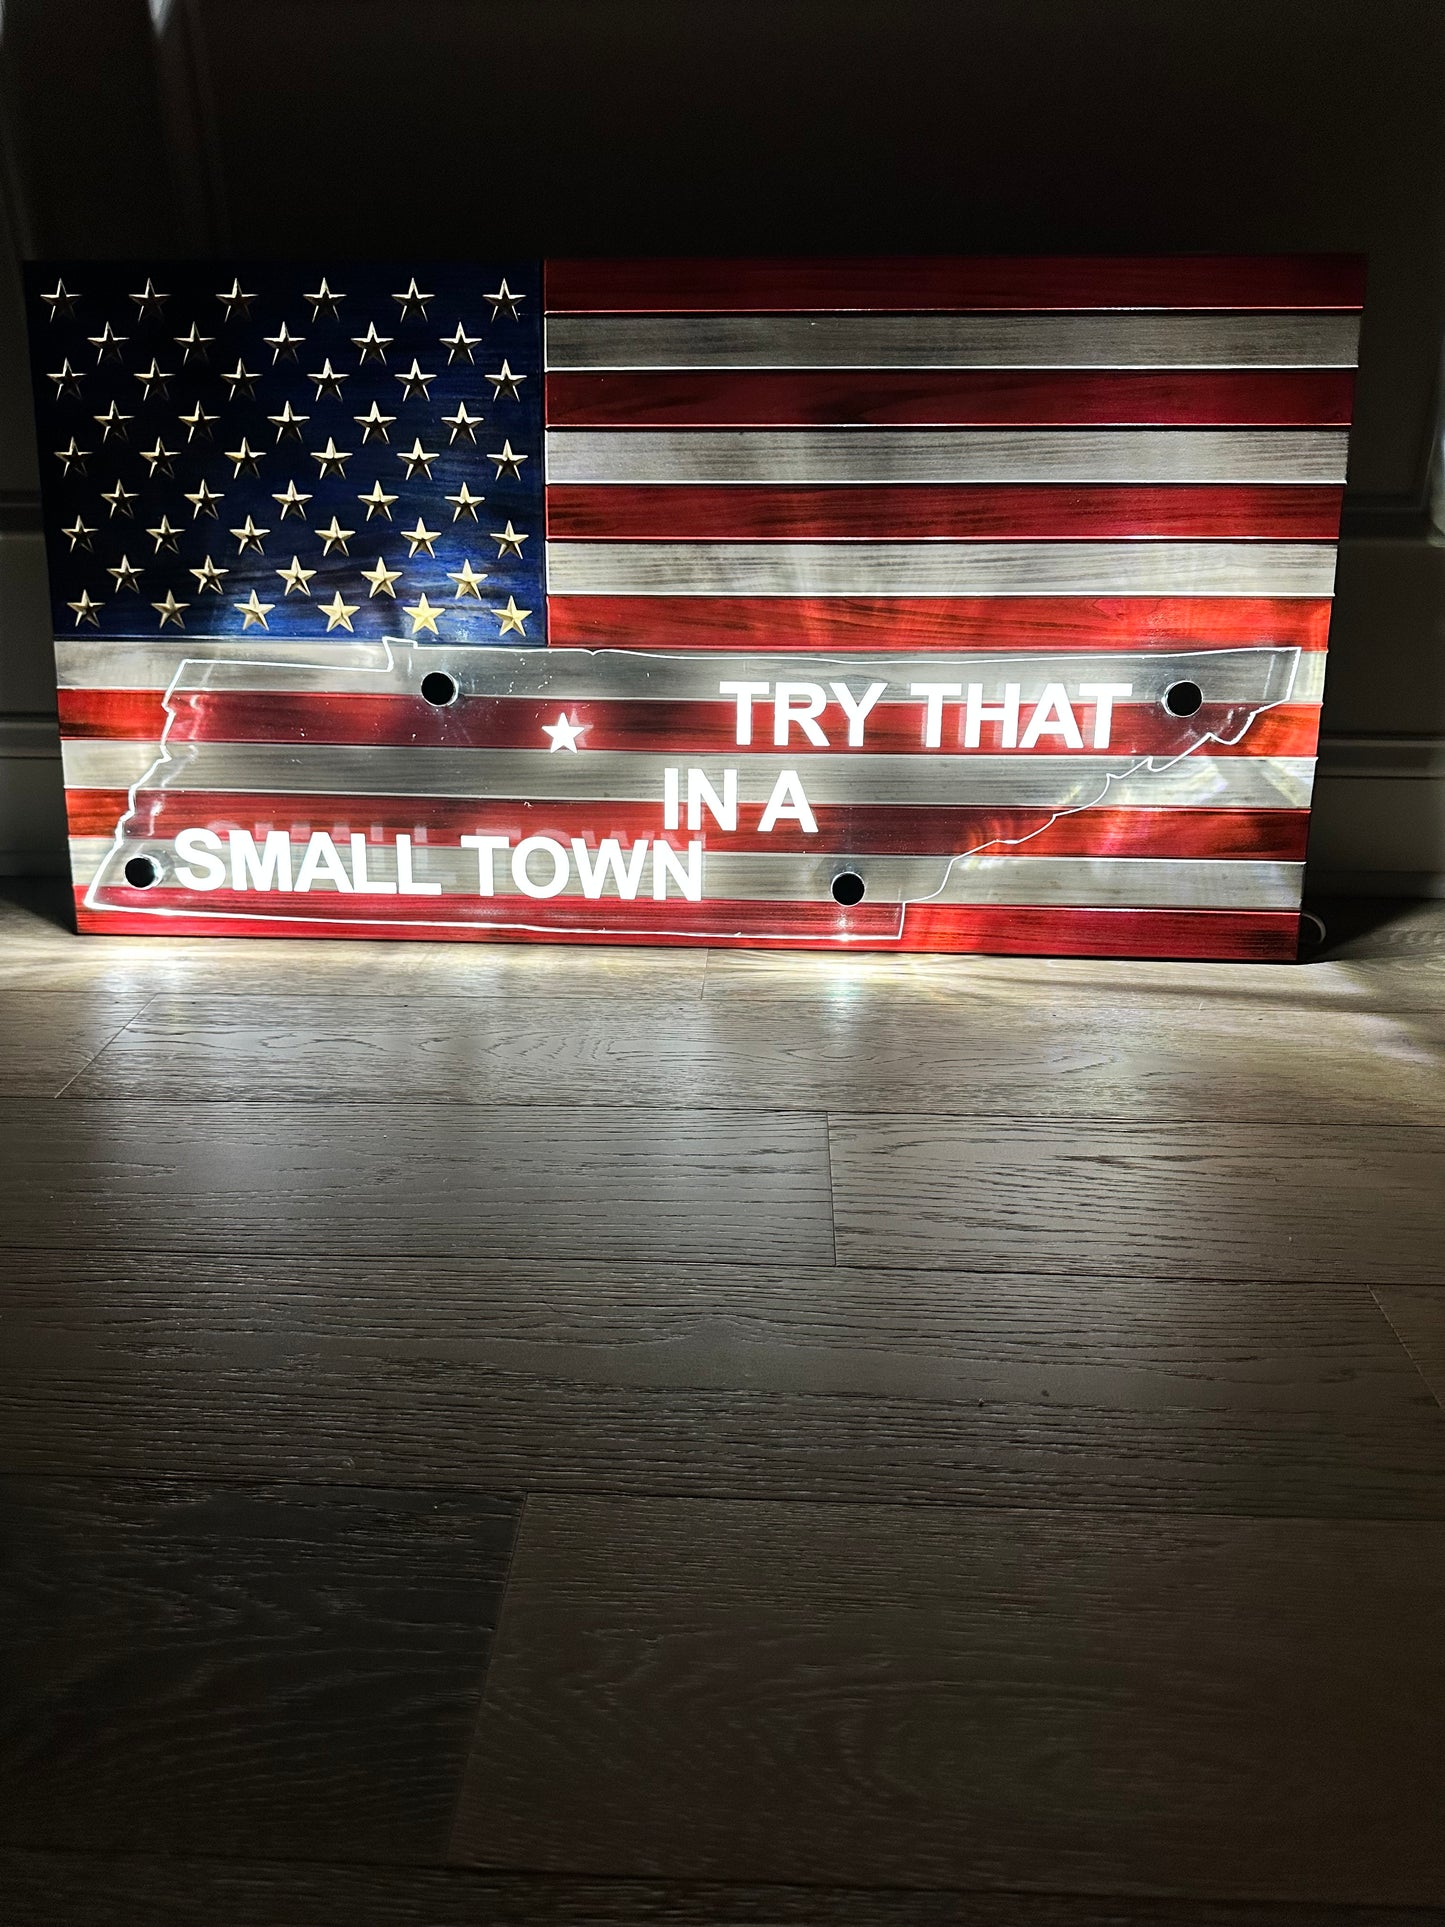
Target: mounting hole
column 439, row 688
column 848, row 887
column 141, row 872
column 1183, row 698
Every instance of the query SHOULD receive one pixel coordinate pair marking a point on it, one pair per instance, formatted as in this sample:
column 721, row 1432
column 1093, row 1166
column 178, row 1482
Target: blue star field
column 342, row 452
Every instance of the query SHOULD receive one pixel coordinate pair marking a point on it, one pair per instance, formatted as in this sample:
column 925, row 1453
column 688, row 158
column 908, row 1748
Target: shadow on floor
column 1354, row 927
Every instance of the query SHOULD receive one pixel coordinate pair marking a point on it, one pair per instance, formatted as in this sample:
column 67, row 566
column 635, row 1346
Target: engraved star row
column 203, row 499
column 330, row 460
column 413, row 302
column 423, row 613
column 243, row 380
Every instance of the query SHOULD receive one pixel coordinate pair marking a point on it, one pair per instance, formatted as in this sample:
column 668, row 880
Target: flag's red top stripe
column 904, row 284
column 994, row 512
column 904, row 625
column 892, row 397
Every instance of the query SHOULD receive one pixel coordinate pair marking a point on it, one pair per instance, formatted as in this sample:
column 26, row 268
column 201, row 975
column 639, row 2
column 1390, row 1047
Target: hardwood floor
column 1150, row 1060
column 1178, row 1395
column 1079, row 1701
column 1289, row 1201
column 287, row 1671
column 521, row 1435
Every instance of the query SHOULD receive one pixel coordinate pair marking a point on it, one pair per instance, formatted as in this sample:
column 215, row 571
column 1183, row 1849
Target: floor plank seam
column 494, row 1646
column 479, row 1697
column 106, row 1045
column 1190, row 1907
column 739, row 1106
column 1083, row 1120
column 1404, row 1345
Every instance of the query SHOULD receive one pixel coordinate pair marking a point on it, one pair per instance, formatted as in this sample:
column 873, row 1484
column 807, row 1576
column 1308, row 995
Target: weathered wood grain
column 1217, row 1708
column 269, row 1671
column 1394, row 964
column 1183, row 1640
column 717, row 1380
column 1222, row 1200
column 419, row 1181
column 1002, row 1055
column 40, row 950
column 137, row 1890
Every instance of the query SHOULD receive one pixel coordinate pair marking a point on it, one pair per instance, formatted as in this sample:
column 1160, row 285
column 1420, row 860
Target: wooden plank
column 812, row 570
column 39, row 950
column 48, row 1037
column 438, row 1180
column 764, row 889
column 644, row 512
column 1417, row 1315
column 985, row 776
column 902, row 1387
column 802, row 457
column 934, row 341
column 131, row 682
column 962, row 399
column 860, row 1695
column 945, row 624
column 1267, row 935
column 1279, row 835
column 134, row 1890
column 274, row 1669
column 918, row 283
column 1007, row 1055
column 1387, row 980
column 1221, row 1200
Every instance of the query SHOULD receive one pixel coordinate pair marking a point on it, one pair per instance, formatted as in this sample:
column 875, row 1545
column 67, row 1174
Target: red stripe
column 1050, row 512
column 95, row 812
column 1256, row 935
column 921, row 283
column 111, row 715
column 683, row 728
column 828, row 625
column 949, row 399
column 877, row 829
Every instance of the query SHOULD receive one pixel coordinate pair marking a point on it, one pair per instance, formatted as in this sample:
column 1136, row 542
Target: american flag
column 917, row 604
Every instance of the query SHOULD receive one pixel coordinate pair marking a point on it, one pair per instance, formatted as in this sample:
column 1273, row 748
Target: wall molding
column 30, row 736
column 1396, row 759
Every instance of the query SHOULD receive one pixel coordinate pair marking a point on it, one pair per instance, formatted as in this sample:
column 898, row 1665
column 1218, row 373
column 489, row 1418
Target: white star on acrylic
column 564, row 732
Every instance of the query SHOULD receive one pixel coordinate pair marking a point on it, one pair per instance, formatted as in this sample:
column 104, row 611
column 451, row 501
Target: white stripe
column 800, row 456
column 1054, row 782
column 873, row 341
column 1092, row 882
column 941, row 568
column 1243, row 674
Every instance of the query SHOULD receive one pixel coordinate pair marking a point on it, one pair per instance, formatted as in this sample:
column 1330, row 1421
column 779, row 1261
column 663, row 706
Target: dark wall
column 388, row 126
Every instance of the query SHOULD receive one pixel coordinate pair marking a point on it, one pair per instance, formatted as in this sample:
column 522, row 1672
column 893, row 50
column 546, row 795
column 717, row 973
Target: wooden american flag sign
column 917, row 604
